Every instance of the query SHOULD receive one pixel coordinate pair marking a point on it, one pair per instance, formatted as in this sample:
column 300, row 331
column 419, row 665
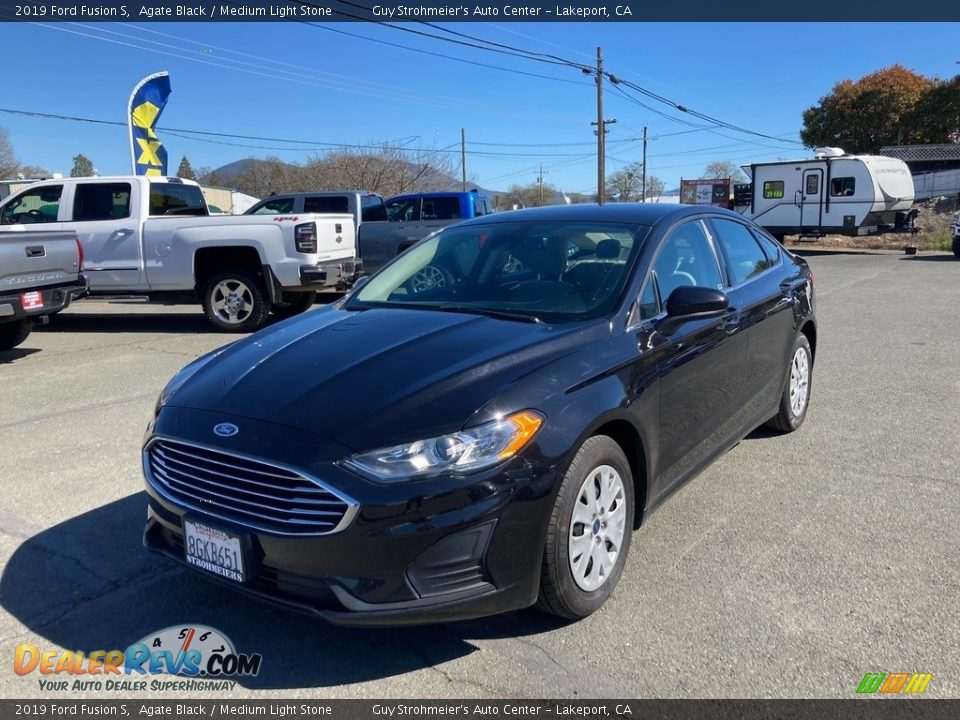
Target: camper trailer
column 831, row 193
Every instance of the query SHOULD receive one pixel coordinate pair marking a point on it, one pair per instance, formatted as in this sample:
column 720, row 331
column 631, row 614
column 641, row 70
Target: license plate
column 31, row 300
column 213, row 550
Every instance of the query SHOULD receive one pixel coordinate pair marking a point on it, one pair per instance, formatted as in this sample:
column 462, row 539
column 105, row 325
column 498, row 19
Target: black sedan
column 484, row 423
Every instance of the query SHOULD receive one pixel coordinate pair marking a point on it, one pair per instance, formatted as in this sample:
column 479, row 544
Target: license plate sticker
column 31, row 300
column 214, row 550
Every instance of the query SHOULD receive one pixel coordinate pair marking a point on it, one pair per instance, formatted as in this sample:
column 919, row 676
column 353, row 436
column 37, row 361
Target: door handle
column 35, row 251
column 122, row 232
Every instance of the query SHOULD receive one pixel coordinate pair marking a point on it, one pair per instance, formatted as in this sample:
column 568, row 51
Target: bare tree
column 528, row 195
column 625, row 184
column 9, row 165
column 722, row 169
column 654, row 188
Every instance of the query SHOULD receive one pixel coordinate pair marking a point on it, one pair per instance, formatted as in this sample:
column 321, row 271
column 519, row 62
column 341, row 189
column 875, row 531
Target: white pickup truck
column 153, row 236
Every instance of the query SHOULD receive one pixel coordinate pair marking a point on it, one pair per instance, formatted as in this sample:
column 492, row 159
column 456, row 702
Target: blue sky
column 298, row 82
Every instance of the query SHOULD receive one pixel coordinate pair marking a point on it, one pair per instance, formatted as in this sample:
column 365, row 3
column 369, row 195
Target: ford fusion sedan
column 484, row 423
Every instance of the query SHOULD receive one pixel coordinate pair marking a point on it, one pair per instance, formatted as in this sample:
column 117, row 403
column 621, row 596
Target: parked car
column 498, row 437
column 411, row 217
column 955, row 233
column 152, row 236
column 39, row 276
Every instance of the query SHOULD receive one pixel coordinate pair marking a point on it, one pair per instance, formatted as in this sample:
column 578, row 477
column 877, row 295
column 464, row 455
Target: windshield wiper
column 487, row 312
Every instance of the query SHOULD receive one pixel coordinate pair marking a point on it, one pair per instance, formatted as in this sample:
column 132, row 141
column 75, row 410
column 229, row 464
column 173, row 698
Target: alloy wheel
column 597, row 528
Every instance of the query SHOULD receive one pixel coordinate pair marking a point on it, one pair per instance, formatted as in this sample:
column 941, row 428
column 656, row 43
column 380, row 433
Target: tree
column 82, row 167
column 625, row 184
column 936, row 117
column 722, row 169
column 9, row 166
column 654, row 188
column 878, row 109
column 529, row 195
column 185, row 171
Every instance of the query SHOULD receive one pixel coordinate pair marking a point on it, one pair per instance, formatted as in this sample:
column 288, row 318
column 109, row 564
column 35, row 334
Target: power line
column 441, row 55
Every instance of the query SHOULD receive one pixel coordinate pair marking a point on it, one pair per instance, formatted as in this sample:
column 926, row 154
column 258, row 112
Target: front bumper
column 419, row 552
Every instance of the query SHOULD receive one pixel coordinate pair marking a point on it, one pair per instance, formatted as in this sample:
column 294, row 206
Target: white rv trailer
column 830, row 193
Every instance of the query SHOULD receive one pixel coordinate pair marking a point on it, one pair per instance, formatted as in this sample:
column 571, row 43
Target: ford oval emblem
column 225, row 429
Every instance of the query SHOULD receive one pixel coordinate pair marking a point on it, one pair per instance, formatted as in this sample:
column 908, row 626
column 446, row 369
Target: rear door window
column 101, row 201
column 176, row 199
column 325, row 204
column 441, row 208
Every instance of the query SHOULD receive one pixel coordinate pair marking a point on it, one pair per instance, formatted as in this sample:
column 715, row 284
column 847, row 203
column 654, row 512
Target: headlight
column 460, row 452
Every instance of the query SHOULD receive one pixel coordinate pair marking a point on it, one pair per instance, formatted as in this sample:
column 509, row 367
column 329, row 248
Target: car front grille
column 250, row 492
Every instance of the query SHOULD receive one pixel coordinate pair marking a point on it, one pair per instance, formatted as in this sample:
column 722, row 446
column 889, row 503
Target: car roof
column 443, row 193
column 640, row 213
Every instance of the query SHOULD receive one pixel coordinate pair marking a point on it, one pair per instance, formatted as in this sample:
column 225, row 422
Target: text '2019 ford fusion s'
column 482, row 425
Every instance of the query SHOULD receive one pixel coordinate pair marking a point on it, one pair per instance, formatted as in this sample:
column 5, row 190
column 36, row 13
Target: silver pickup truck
column 153, row 236
column 39, row 275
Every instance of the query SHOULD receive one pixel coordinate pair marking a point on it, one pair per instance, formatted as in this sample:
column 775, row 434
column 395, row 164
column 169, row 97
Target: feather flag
column 147, row 101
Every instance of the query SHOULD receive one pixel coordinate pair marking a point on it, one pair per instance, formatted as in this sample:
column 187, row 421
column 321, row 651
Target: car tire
column 293, row 304
column 234, row 301
column 573, row 586
column 14, row 333
column 956, row 248
column 796, row 388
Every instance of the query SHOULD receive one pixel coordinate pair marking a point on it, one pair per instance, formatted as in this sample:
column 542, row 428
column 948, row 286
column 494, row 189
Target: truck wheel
column 956, row 248
column 293, row 304
column 14, row 333
column 234, row 301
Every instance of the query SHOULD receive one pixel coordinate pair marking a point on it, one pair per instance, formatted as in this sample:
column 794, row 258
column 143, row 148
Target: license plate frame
column 32, row 300
column 215, row 550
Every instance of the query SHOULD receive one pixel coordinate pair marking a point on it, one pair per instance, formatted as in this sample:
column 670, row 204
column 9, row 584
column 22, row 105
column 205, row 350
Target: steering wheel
column 687, row 278
column 33, row 216
column 430, row 277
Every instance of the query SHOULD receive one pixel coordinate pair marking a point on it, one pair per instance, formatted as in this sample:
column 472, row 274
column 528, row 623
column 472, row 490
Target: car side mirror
column 360, row 282
column 692, row 303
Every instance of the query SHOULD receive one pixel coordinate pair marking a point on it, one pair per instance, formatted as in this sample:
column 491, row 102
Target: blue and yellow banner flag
column 146, row 103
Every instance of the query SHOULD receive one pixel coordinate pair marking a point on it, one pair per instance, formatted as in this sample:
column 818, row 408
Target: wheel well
column 627, row 437
column 810, row 330
column 207, row 261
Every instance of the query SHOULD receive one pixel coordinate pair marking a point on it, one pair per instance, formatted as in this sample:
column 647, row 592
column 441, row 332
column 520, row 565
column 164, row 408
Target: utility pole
column 643, row 178
column 463, row 157
column 601, row 132
column 540, row 183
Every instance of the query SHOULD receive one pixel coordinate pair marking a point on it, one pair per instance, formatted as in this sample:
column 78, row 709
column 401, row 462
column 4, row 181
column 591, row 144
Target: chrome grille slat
column 171, row 479
column 202, row 458
column 203, row 502
column 256, row 493
column 157, row 461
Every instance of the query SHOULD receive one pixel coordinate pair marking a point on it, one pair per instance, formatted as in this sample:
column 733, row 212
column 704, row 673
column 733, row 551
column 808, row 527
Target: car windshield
column 557, row 271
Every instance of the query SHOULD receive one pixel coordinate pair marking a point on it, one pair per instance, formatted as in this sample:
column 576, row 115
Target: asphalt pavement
column 791, row 567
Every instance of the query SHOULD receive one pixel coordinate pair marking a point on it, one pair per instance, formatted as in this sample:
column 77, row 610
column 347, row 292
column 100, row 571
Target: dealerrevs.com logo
column 203, row 655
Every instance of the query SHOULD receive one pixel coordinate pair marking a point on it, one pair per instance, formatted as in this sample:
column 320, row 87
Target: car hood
column 377, row 377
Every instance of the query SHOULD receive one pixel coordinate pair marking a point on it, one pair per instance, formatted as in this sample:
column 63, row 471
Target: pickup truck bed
column 39, row 276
